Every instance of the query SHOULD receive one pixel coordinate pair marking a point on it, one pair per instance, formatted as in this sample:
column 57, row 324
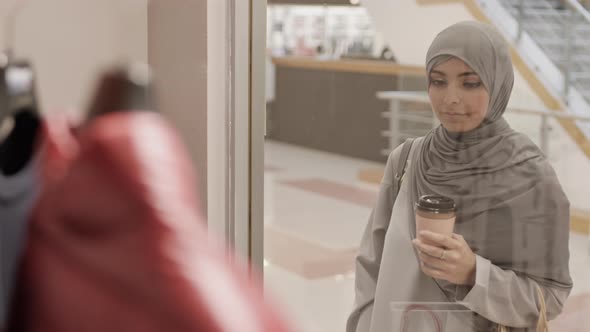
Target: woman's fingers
column 446, row 257
column 460, row 239
column 441, row 240
column 428, row 249
column 434, row 262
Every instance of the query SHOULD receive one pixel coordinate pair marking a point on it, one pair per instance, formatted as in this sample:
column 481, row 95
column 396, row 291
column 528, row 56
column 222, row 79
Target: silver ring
column 442, row 255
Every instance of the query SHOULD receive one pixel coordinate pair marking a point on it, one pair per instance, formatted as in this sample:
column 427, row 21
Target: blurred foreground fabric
column 117, row 241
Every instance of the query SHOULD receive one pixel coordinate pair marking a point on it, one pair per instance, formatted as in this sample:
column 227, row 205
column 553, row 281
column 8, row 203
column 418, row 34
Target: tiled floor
column 315, row 212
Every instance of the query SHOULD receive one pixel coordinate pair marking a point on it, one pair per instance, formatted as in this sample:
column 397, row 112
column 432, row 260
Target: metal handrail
column 395, row 97
column 573, row 8
column 418, row 96
column 574, row 4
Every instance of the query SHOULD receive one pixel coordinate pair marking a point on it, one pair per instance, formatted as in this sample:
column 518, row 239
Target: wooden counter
column 375, row 67
column 332, row 105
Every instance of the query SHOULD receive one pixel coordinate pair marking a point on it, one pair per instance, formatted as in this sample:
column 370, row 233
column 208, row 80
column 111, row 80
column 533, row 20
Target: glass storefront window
column 341, row 95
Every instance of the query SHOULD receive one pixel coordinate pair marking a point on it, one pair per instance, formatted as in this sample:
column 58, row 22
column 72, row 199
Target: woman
column 512, row 228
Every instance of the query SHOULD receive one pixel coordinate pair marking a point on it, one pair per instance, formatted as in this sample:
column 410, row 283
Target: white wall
column 70, row 41
column 217, row 94
column 178, row 56
column 409, row 29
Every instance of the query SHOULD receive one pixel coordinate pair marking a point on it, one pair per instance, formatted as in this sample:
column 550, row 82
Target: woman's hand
column 446, row 257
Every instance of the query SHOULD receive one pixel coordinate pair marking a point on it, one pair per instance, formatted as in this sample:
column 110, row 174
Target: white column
column 236, row 106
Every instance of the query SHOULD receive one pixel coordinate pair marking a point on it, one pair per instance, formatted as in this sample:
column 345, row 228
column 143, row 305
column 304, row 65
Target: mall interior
column 269, row 124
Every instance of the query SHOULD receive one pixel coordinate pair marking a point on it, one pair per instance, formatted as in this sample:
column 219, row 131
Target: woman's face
column 458, row 96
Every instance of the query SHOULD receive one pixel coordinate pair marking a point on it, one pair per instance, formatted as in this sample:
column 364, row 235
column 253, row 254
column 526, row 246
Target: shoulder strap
column 403, row 160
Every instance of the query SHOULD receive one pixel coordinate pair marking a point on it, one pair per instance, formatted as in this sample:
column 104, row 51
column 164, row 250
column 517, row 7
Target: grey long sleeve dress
column 387, row 270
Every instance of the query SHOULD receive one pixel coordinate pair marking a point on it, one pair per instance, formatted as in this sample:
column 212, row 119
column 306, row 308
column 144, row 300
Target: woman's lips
column 452, row 117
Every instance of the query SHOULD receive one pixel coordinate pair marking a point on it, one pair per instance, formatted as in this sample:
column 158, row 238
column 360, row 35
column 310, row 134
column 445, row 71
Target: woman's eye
column 472, row 85
column 438, row 82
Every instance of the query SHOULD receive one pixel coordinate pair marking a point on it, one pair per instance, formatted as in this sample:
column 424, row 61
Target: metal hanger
column 18, row 104
column 123, row 89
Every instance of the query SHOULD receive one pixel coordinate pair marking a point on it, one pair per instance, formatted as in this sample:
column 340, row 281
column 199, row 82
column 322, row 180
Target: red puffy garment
column 117, row 242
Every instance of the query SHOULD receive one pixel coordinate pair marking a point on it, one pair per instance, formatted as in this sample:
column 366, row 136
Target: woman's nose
column 452, row 96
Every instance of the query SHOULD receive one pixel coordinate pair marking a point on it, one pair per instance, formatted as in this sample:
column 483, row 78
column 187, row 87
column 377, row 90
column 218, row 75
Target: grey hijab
column 511, row 207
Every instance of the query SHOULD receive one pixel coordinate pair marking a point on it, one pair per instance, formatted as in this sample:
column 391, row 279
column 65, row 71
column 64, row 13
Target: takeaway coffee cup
column 436, row 214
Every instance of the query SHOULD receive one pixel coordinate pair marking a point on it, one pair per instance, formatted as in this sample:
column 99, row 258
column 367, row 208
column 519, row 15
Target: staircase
column 551, row 48
column 563, row 33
